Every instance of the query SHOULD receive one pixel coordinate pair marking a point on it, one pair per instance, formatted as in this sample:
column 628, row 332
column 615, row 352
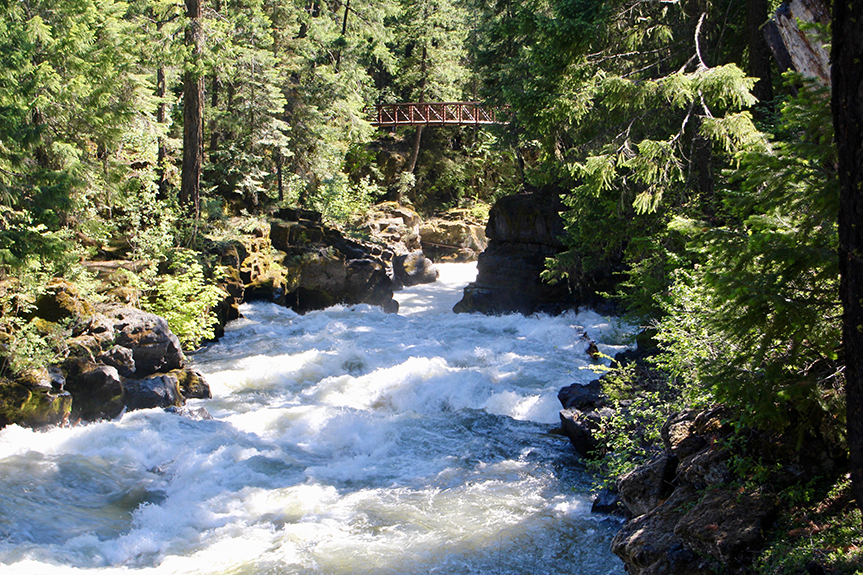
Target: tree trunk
column 161, row 118
column 415, row 152
column 759, row 53
column 419, row 133
column 344, row 35
column 798, row 48
column 847, row 79
column 193, row 115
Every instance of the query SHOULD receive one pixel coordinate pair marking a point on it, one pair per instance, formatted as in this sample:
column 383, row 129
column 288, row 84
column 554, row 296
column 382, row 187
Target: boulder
column 154, row 347
column 119, row 357
column 581, row 426
column 97, row 391
column 727, row 525
column 649, row 545
column 689, row 516
column 413, row 269
column 582, row 396
column 392, row 224
column 192, row 383
column 452, row 237
column 61, row 301
column 35, row 407
column 608, row 501
column 648, row 485
column 323, row 268
column 156, row 391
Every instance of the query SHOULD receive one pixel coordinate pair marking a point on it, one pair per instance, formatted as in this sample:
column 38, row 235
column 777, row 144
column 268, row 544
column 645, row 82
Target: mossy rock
column 62, row 301
column 192, row 384
column 32, row 408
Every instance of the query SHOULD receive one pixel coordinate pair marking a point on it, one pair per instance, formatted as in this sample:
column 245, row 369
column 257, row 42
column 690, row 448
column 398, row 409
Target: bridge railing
column 436, row 114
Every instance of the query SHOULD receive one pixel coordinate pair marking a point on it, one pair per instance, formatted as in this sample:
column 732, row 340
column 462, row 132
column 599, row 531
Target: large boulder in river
column 155, row 391
column 413, row 269
column 154, row 346
column 523, row 230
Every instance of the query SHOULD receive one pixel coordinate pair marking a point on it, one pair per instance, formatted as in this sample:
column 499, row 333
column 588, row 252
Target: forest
column 697, row 169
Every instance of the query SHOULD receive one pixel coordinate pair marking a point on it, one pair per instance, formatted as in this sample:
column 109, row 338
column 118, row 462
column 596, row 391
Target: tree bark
column 161, row 118
column 759, row 53
column 415, row 152
column 193, row 114
column 847, row 107
column 344, row 34
column 798, row 48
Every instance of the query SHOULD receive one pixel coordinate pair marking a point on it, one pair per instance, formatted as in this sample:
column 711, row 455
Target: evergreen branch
column 608, row 57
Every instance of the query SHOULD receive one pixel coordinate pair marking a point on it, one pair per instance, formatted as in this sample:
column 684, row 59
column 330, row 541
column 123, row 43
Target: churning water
column 345, row 441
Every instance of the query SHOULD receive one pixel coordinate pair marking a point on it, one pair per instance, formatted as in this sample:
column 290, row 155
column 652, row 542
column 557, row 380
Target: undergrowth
column 822, row 536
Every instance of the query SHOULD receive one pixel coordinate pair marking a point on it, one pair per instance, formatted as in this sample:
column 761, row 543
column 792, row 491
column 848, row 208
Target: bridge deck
column 436, row 114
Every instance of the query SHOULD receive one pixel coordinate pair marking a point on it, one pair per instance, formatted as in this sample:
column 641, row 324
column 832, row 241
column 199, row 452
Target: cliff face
column 523, row 230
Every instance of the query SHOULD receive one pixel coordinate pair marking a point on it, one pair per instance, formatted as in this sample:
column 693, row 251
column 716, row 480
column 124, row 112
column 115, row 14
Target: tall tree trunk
column 759, row 53
column 344, row 34
column 215, row 83
column 419, row 133
column 847, row 80
column 161, row 118
column 193, row 115
column 415, row 152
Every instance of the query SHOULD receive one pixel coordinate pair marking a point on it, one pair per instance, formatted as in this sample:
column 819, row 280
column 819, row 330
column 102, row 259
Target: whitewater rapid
column 343, row 441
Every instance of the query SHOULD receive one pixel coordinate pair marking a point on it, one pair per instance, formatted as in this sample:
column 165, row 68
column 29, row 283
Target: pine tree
column 847, row 75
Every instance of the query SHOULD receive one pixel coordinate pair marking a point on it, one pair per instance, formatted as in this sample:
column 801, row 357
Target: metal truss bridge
column 436, row 114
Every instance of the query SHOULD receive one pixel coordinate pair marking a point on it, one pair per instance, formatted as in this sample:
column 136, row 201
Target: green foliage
column 338, row 199
column 629, row 434
column 184, row 298
column 825, row 530
column 758, row 321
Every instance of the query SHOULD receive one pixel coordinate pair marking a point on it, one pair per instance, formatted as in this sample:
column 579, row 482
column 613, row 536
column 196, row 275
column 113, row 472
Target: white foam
column 344, row 441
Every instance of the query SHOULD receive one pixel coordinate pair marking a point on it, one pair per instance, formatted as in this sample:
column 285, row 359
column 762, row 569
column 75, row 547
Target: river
column 344, row 441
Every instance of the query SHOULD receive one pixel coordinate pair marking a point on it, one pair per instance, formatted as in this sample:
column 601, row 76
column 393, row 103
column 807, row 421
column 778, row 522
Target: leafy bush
column 184, row 298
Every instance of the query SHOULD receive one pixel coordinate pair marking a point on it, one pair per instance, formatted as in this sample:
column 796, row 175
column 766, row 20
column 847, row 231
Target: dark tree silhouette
column 847, row 74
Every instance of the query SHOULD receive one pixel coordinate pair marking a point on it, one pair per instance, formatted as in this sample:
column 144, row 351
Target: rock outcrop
column 324, row 268
column 453, row 236
column 523, row 230
column 123, row 359
column 688, row 518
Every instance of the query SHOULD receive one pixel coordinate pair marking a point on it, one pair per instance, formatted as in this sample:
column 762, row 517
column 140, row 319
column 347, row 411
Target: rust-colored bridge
column 436, row 114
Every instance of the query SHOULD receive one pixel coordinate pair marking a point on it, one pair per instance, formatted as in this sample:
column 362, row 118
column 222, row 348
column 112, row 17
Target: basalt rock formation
column 323, row 268
column 523, row 230
column 117, row 359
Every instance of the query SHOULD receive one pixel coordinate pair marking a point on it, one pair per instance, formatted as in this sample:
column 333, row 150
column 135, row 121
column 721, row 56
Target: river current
column 343, row 441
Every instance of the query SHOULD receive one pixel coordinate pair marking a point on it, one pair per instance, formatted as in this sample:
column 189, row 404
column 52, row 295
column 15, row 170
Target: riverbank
column 700, row 492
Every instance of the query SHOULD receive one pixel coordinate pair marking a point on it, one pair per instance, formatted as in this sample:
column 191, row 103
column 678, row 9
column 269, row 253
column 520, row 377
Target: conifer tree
column 193, row 111
column 432, row 35
column 847, row 77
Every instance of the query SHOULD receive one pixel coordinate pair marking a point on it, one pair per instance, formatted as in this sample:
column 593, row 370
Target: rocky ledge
column 523, row 230
column 117, row 359
column 685, row 511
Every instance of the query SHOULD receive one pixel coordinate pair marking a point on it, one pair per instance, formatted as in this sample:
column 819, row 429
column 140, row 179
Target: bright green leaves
column 767, row 284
